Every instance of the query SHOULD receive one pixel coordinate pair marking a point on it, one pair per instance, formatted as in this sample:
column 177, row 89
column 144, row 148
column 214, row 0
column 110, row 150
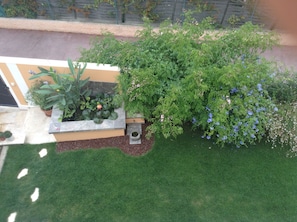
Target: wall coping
column 286, row 39
column 51, row 62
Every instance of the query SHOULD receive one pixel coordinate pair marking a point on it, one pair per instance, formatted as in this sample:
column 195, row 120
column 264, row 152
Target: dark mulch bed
column 121, row 142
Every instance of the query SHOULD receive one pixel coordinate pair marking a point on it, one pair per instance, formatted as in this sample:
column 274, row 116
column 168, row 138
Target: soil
column 121, row 142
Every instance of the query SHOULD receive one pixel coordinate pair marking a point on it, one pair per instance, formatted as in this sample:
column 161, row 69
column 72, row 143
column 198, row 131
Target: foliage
column 6, row 134
column 67, row 91
column 183, row 72
column 99, row 108
column 22, row 8
column 282, row 125
column 37, row 98
column 283, row 89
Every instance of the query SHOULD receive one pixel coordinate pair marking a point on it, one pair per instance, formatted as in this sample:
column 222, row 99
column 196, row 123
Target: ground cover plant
column 184, row 72
column 187, row 179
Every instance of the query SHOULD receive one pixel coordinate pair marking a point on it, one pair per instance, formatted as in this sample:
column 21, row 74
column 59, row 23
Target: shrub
column 184, row 73
column 282, row 125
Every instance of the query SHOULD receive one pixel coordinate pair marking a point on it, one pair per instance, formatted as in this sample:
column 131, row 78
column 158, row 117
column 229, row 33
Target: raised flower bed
column 86, row 129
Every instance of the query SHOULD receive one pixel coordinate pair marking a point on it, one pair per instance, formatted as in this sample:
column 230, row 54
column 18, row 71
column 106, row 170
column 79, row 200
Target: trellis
column 224, row 12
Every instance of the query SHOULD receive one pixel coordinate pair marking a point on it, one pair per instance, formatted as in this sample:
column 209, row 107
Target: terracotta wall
column 16, row 73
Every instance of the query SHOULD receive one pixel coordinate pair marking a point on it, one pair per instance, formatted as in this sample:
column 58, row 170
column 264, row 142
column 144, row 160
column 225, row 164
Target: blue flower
column 236, row 129
column 224, row 137
column 239, row 123
column 194, row 120
column 209, row 120
column 256, row 121
column 202, row 137
column 254, row 127
column 210, row 115
column 208, row 137
column 273, row 74
column 260, row 109
column 253, row 136
column 241, row 142
column 244, row 133
column 233, row 91
column 250, row 93
column 275, row 109
column 208, row 109
column 259, row 87
column 242, row 57
column 211, row 128
column 31, row 72
column 250, row 113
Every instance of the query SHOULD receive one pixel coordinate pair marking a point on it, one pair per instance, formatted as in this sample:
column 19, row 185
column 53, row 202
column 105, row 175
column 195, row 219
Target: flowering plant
column 184, row 73
column 235, row 107
column 282, row 125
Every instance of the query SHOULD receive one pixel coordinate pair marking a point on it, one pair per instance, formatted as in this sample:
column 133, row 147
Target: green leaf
column 113, row 116
column 98, row 120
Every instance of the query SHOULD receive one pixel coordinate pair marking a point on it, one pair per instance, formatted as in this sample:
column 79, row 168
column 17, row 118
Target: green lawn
column 179, row 180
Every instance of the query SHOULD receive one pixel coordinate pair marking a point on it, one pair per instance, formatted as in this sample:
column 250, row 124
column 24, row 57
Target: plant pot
column 48, row 113
column 10, row 138
column 135, row 136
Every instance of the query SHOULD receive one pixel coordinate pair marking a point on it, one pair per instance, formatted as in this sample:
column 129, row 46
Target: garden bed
column 121, row 142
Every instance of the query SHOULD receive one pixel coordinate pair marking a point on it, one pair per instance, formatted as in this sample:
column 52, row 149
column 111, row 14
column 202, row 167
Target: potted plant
column 37, row 98
column 5, row 135
column 2, row 137
column 67, row 90
column 8, row 135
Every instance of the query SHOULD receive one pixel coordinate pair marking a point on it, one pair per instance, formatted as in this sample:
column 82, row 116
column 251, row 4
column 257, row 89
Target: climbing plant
column 21, row 8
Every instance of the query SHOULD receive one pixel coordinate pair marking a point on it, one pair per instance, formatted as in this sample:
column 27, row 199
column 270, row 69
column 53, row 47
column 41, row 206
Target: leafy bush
column 282, row 125
column 185, row 73
column 283, row 89
column 37, row 98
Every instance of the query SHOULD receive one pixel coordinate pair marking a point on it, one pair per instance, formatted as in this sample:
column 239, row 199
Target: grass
column 179, row 180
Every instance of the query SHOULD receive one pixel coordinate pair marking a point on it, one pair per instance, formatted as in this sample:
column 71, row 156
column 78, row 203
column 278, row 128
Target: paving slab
column 42, row 44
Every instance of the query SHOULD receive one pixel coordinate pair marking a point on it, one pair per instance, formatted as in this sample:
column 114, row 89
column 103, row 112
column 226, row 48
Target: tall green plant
column 67, row 90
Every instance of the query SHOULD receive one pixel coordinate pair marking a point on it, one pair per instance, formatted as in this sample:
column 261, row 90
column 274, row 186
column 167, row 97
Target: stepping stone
column 43, row 153
column 12, row 217
column 35, row 195
column 23, row 173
